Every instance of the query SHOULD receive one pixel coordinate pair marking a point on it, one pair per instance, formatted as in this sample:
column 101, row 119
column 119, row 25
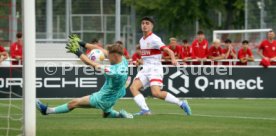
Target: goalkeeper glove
column 73, row 47
column 75, row 38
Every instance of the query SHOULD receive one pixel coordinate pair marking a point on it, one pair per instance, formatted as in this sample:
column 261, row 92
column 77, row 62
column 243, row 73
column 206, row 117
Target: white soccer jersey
column 151, row 53
column 151, row 49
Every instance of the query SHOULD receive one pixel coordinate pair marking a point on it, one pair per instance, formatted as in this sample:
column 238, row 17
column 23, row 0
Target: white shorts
column 151, row 76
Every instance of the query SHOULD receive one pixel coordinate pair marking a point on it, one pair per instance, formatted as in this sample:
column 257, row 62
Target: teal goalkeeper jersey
column 114, row 86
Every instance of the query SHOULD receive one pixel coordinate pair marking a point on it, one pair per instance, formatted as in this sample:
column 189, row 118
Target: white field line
column 78, row 115
column 232, row 117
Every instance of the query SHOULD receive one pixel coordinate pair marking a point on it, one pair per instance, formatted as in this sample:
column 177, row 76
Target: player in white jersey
column 152, row 73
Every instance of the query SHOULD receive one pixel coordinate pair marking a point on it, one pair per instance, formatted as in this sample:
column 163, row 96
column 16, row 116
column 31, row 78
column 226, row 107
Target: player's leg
column 110, row 113
column 82, row 102
column 138, row 97
column 155, row 87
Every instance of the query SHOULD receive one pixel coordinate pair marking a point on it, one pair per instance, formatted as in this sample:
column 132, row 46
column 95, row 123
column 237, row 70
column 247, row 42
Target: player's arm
column 94, row 46
column 73, row 47
column 227, row 54
column 251, row 57
column 5, row 54
column 88, row 61
column 233, row 54
column 243, row 60
column 171, row 54
column 89, row 46
column 222, row 56
column 166, row 56
column 139, row 62
column 259, row 52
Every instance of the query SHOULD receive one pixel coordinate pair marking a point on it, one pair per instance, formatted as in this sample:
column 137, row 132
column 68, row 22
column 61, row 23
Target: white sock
column 50, row 110
column 141, row 102
column 172, row 99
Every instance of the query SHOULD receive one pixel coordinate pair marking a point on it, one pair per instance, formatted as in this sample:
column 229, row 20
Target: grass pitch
column 214, row 117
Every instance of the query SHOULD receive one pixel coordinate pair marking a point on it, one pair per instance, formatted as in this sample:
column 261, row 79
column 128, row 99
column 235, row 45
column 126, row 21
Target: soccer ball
column 96, row 55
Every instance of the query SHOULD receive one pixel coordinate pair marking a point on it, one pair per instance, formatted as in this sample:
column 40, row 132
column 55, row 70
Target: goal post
column 217, row 32
column 29, row 68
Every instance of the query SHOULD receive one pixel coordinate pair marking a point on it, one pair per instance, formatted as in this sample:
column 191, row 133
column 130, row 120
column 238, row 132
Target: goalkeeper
column 114, row 87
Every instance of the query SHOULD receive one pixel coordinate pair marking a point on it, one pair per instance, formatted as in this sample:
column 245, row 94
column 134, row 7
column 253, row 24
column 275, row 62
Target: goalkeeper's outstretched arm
column 93, row 46
column 73, row 46
column 88, row 61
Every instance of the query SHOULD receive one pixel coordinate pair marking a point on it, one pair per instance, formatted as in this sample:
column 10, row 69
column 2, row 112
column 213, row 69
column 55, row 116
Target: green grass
column 214, row 117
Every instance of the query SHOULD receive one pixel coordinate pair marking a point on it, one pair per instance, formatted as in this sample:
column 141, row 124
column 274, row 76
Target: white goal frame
column 29, row 68
column 216, row 32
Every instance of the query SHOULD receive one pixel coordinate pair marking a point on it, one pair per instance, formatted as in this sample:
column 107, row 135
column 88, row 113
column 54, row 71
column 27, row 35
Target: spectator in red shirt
column 136, row 57
column 186, row 52
column 229, row 52
column 245, row 54
column 267, row 48
column 175, row 48
column 3, row 54
column 126, row 54
column 200, row 48
column 16, row 49
column 215, row 52
column 96, row 42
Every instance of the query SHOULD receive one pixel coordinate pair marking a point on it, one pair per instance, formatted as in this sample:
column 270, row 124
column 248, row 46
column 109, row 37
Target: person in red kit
column 175, row 48
column 16, row 49
column 267, row 49
column 245, row 54
column 126, row 54
column 200, row 48
column 215, row 52
column 3, row 54
column 229, row 52
column 186, row 52
column 136, row 57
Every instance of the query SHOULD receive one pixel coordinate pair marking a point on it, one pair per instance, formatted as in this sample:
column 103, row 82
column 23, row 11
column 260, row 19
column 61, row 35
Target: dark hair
column 185, row 41
column 200, row 32
column 228, row 41
column 148, row 19
column 95, row 41
column 138, row 47
column 19, row 35
column 271, row 31
column 116, row 48
column 245, row 42
column 119, row 42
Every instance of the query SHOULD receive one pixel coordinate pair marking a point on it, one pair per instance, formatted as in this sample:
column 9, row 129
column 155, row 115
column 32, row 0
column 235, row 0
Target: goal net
column 11, row 102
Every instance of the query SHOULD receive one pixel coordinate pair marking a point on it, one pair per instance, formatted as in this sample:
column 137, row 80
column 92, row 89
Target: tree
column 173, row 15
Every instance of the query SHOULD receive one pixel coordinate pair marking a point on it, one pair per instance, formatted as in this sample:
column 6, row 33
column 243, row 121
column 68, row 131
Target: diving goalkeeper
column 114, row 87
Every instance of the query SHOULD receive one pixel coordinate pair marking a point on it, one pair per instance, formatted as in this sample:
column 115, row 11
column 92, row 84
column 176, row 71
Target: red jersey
column 2, row 49
column 268, row 48
column 126, row 53
column 224, row 51
column 136, row 57
column 176, row 51
column 200, row 49
column 186, row 52
column 215, row 52
column 16, row 50
column 244, row 53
